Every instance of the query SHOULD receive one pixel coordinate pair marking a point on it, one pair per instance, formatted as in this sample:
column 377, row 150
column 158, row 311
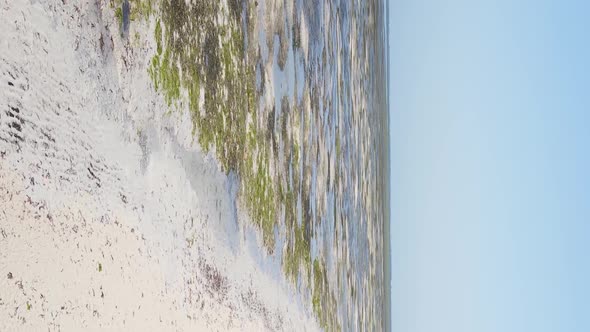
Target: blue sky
column 490, row 127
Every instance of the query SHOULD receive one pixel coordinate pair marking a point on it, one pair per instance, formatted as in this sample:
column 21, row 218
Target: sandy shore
column 111, row 217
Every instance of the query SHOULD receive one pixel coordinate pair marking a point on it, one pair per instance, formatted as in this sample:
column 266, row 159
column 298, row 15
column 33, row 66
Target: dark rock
column 125, row 10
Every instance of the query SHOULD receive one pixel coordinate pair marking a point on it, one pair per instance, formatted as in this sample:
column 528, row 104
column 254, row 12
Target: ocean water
column 322, row 64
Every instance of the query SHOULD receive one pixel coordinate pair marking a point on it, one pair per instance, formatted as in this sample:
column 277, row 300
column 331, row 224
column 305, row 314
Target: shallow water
column 290, row 97
column 333, row 81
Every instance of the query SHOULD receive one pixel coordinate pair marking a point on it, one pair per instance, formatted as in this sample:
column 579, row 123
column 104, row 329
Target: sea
column 334, row 79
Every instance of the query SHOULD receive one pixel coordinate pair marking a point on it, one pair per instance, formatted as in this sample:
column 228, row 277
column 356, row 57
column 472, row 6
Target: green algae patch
column 205, row 63
column 207, row 60
column 260, row 196
column 158, row 37
column 119, row 16
column 141, row 9
column 322, row 301
column 298, row 254
column 165, row 76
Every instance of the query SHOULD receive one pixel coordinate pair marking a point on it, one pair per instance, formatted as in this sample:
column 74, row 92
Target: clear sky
column 490, row 127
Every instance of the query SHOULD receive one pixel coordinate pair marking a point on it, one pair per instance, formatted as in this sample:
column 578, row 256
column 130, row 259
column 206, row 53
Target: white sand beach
column 111, row 217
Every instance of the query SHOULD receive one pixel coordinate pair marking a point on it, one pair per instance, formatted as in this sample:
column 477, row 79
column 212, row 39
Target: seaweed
column 209, row 61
